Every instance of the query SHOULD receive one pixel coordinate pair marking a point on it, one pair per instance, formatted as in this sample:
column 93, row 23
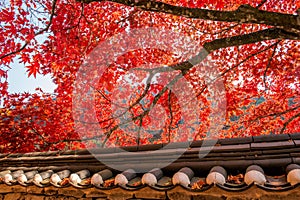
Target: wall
column 18, row 192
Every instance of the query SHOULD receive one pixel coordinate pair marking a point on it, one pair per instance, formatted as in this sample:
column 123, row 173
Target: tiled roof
column 271, row 162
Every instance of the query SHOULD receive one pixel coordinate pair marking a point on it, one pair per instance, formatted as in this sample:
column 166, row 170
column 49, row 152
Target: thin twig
column 269, row 63
column 289, row 121
column 36, row 34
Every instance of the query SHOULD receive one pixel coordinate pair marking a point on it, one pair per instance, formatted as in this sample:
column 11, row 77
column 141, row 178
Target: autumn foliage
column 252, row 46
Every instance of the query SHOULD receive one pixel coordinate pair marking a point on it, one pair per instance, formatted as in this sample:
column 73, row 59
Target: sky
column 19, row 82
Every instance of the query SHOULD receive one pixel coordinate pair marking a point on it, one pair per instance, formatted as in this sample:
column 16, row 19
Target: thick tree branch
column 171, row 115
column 267, row 34
column 261, row 3
column 244, row 14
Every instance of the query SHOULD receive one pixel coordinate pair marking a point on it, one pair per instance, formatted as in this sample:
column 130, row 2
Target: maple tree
column 252, row 46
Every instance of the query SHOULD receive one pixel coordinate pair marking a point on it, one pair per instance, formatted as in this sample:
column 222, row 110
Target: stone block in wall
column 18, row 189
column 5, row 189
column 94, row 192
column 70, row 198
column 149, row 193
column 280, row 197
column 71, row 192
column 50, row 190
column 50, row 198
column 179, row 195
column 59, row 197
column 295, row 195
column 119, row 196
column 33, row 197
column 208, row 197
column 242, row 197
column 13, row 196
column 34, row 190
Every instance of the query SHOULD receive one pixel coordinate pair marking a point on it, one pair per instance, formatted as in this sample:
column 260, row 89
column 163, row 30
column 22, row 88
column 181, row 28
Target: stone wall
column 48, row 193
column 18, row 192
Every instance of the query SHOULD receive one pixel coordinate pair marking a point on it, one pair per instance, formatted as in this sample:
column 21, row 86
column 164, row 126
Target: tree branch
column 36, row 34
column 289, row 121
column 276, row 114
column 261, row 3
column 244, row 14
column 269, row 64
column 171, row 116
column 267, row 34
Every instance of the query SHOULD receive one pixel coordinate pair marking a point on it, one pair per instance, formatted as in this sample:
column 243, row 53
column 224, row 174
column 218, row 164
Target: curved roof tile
column 267, row 162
